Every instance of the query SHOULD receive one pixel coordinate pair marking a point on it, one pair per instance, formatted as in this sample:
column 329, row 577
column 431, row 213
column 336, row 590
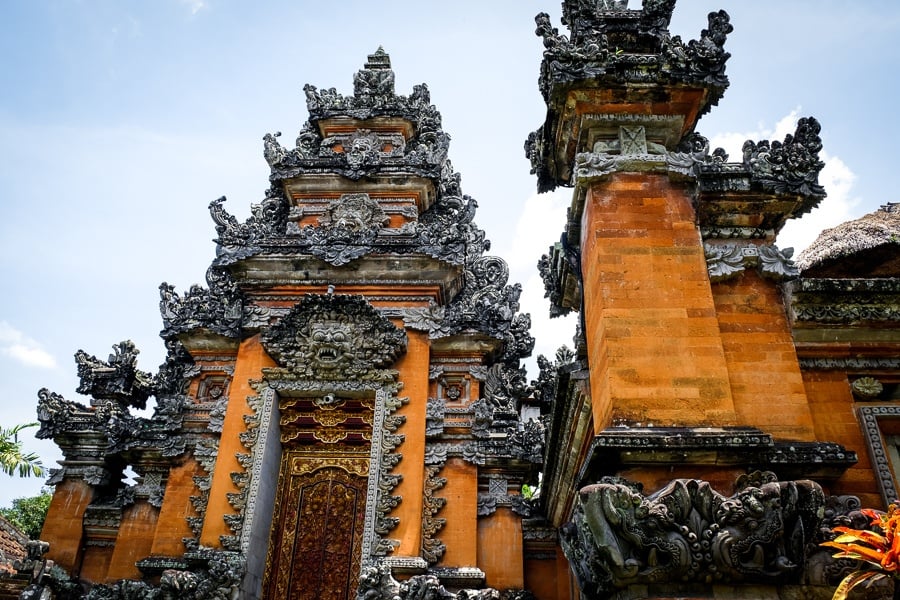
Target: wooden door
column 316, row 541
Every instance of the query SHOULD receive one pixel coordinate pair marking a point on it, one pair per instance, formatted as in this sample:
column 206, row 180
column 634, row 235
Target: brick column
column 654, row 343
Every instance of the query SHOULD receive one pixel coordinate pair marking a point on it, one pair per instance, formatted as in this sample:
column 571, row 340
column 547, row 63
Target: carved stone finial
column 789, row 167
column 376, row 78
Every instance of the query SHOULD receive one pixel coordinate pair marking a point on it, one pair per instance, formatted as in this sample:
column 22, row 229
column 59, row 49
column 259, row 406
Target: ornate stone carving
column 58, row 416
column 376, row 80
column 526, row 441
column 335, row 337
column 850, row 363
column 846, row 301
column 560, row 270
column 692, row 151
column 117, row 378
column 689, row 532
column 789, row 167
column 218, row 308
column 486, row 304
column 643, row 53
column 347, row 230
column 866, row 388
column 726, row 260
column 505, row 387
column 214, row 575
column 878, row 453
column 356, row 155
column 545, row 385
column 238, row 240
column 377, row 583
column 434, row 417
column 432, row 548
column 354, row 212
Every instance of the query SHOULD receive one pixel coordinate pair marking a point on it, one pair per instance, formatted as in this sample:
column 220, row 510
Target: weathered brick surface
column 654, row 345
column 413, row 368
column 461, row 512
column 62, row 527
column 831, row 404
column 762, row 363
column 133, row 542
column 499, row 538
column 172, row 526
column 251, row 359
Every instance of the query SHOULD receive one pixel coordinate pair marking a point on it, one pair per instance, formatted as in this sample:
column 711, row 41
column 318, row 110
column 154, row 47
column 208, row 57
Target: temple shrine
column 343, row 412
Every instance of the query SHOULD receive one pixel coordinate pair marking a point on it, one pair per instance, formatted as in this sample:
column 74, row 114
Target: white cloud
column 19, row 347
column 539, row 226
column 835, row 209
column 836, row 176
column 733, row 141
column 195, row 5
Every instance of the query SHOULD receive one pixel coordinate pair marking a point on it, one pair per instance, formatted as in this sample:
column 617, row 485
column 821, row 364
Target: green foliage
column 13, row 458
column 28, row 513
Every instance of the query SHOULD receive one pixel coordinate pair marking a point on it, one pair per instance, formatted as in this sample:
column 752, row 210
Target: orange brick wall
column 251, row 359
column 500, row 549
column 653, row 340
column 461, row 512
column 762, row 362
column 413, row 368
column 96, row 563
column 831, row 404
column 62, row 527
column 133, row 542
column 172, row 526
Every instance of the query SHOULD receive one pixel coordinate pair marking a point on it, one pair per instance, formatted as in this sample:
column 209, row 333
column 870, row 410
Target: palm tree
column 13, row 459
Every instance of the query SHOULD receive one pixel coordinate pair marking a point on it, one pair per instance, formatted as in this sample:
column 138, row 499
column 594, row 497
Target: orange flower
column 882, row 551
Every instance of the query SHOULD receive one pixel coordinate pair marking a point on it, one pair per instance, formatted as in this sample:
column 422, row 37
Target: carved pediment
column 334, row 337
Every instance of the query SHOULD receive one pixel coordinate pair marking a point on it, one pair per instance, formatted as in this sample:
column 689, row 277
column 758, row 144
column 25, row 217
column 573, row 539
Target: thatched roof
column 866, row 247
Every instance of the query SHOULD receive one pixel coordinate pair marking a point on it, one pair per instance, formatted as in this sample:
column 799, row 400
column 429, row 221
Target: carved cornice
column 642, row 50
column 107, row 430
column 844, row 301
column 207, row 574
column 740, row 446
column 727, row 260
column 117, row 378
column 619, row 49
column 560, row 270
column 377, row 582
column 854, row 363
column 487, row 304
column 217, row 308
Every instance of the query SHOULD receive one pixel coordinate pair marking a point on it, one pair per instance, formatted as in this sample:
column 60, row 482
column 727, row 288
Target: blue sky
column 121, row 120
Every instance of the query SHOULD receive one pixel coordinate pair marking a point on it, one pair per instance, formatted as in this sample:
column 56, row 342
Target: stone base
column 745, row 592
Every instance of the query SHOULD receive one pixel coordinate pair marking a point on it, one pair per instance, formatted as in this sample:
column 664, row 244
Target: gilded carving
column 353, row 465
column 319, row 536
